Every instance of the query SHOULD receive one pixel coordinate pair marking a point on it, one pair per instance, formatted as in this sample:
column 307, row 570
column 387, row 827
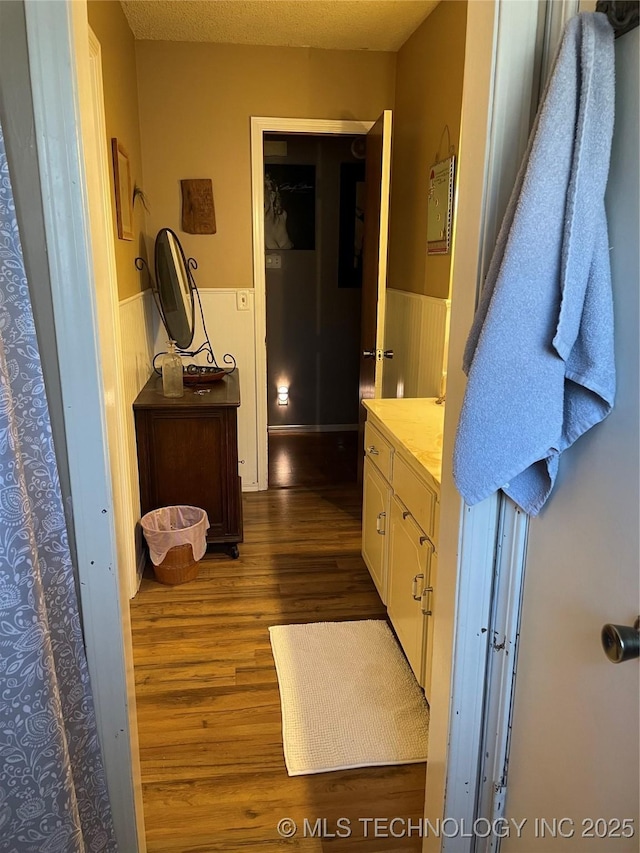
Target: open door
column 374, row 262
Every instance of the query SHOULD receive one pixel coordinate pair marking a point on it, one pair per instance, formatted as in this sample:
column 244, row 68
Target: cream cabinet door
column 375, row 521
column 410, row 555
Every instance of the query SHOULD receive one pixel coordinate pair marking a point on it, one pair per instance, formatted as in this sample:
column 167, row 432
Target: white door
column 374, row 259
column 574, row 750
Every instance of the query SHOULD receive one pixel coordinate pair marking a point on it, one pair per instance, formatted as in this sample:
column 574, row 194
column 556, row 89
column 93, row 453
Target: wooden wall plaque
column 198, row 213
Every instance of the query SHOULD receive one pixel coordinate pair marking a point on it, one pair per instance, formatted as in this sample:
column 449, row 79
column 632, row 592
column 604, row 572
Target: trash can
column 177, row 540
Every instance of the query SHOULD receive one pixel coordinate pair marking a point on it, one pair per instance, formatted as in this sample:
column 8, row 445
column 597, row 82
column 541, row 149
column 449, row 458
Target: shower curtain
column 53, row 795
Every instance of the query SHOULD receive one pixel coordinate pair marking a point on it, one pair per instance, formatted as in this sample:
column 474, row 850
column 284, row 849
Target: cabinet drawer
column 378, row 450
column 414, row 493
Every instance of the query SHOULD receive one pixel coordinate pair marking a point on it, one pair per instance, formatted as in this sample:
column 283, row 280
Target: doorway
column 314, row 211
column 316, row 412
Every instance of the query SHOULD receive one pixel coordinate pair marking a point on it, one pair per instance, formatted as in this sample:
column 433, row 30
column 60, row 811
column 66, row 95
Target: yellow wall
column 195, row 104
column 108, row 22
column 428, row 96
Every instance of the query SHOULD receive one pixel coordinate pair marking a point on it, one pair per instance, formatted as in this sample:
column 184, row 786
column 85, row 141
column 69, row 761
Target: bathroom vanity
column 401, row 509
column 188, row 453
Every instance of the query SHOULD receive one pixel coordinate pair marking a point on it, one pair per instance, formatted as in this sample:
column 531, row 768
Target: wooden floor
column 213, row 771
column 312, row 459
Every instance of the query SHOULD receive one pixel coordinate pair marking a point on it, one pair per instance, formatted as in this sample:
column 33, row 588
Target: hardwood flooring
column 312, row 459
column 213, row 771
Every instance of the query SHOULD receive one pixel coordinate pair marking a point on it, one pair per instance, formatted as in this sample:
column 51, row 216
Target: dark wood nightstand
column 188, row 453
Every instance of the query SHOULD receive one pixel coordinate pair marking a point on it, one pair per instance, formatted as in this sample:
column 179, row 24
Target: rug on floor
column 349, row 698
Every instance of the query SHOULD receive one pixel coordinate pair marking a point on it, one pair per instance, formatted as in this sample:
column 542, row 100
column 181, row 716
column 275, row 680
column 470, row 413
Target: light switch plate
column 242, row 300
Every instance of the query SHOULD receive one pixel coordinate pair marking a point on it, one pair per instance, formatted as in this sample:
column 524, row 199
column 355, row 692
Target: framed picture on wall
column 289, row 206
column 440, row 206
column 352, row 188
column 123, row 190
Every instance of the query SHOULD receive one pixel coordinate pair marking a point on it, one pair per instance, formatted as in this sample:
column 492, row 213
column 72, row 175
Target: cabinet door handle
column 379, row 528
column 428, row 539
column 405, row 515
column 414, row 587
column 425, row 592
column 372, row 451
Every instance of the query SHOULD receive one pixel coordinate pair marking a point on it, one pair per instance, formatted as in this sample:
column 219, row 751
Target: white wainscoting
column 417, row 330
column 231, row 330
column 137, row 317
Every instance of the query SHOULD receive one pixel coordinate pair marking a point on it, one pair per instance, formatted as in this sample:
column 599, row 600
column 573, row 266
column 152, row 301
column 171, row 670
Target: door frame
column 482, row 548
column 259, row 126
column 58, row 44
column 538, row 46
column 108, row 313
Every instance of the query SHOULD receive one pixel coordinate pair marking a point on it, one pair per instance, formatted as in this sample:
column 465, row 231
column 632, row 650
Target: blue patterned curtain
column 53, row 795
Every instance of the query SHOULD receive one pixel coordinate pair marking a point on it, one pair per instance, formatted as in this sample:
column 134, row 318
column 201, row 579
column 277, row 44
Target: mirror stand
column 192, row 372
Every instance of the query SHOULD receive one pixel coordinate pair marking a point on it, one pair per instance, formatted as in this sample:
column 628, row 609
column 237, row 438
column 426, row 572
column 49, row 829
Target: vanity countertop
column 414, row 426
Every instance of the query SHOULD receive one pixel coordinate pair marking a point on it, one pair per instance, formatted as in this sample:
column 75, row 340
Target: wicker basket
column 178, row 566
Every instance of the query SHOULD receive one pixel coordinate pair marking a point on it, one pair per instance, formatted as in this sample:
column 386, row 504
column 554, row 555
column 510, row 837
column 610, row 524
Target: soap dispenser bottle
column 172, row 382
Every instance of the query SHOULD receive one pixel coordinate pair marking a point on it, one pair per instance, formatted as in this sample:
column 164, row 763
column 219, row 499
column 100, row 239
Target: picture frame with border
column 123, row 190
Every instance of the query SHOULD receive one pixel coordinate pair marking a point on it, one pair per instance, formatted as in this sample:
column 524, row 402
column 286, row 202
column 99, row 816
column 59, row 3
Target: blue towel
column 540, row 352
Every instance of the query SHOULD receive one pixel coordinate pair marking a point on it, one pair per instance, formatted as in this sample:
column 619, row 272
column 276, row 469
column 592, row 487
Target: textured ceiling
column 338, row 24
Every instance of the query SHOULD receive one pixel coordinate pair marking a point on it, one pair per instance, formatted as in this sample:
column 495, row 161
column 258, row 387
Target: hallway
column 208, row 705
column 312, row 459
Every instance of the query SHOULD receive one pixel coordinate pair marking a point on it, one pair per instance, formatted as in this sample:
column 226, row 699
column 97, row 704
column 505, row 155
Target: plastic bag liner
column 169, row 526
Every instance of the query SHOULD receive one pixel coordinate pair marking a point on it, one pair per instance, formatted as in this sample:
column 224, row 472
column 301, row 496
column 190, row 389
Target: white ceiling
column 338, row 24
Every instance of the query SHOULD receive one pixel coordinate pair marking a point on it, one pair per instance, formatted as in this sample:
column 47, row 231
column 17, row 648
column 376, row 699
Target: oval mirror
column 174, row 288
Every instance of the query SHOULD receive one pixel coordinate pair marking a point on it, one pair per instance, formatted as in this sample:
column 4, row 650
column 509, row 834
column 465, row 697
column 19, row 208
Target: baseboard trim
column 140, row 567
column 313, row 428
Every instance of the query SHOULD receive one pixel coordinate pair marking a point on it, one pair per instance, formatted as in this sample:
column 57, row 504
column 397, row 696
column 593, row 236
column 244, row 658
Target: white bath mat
column 348, row 696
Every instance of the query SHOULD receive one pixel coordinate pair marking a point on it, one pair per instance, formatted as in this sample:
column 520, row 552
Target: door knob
column 368, row 353
column 388, row 353
column 621, row 642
